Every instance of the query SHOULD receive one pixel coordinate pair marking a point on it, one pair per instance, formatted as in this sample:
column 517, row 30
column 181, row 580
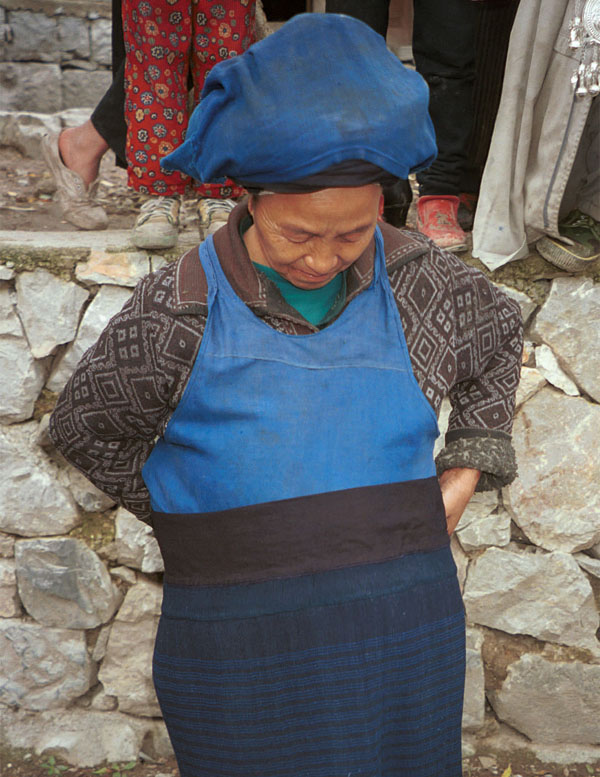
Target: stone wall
column 54, row 56
column 80, row 579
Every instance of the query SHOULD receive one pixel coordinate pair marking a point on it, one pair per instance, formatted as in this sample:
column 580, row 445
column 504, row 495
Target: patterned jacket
column 464, row 339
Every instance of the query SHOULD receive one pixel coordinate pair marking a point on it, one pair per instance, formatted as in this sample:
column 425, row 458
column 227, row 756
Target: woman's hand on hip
column 458, row 486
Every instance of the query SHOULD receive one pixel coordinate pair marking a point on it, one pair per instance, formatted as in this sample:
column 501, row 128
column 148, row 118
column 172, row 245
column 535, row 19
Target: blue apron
column 267, row 415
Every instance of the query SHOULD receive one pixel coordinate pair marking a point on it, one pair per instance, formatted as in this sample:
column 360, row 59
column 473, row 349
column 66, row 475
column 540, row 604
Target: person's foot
column 212, row 215
column 157, row 226
column 579, row 247
column 81, row 150
column 76, row 200
column 437, row 218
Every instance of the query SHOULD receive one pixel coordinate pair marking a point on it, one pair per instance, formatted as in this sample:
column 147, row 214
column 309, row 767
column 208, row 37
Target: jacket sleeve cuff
column 494, row 457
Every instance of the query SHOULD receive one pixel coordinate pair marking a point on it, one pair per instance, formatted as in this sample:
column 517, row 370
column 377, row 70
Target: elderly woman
column 269, row 402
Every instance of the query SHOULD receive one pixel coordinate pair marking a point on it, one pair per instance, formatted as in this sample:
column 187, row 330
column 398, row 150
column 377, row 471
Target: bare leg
column 82, row 149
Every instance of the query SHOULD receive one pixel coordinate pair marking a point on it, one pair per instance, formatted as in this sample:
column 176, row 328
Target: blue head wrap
column 321, row 90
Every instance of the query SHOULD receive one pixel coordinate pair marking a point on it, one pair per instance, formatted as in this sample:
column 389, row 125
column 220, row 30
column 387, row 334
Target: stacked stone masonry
column 54, row 56
column 80, row 578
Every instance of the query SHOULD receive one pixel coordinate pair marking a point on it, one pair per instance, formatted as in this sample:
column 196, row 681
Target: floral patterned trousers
column 166, row 43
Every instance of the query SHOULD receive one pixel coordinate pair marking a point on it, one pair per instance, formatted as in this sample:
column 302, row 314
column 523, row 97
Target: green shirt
column 315, row 305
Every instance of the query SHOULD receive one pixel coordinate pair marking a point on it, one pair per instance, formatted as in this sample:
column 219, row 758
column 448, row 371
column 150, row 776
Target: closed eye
column 302, row 237
column 352, row 237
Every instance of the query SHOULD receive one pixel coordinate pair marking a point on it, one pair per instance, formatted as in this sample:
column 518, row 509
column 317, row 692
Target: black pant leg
column 109, row 115
column 444, row 52
column 375, row 13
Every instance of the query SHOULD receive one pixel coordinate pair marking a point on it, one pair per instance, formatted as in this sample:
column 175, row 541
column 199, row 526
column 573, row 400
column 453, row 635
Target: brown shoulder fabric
column 191, row 287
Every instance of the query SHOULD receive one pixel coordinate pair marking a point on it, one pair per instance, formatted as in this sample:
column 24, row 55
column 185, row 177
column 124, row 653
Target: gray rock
column 126, row 671
column 87, row 496
column 74, row 37
column 590, row 565
column 524, row 301
column 24, row 131
column 551, row 701
column 142, row 601
column 42, row 668
column 102, row 42
column 81, row 89
column 10, row 606
column 99, row 649
column 63, row 583
column 530, row 383
column 135, row 544
column 121, row 269
column 108, row 301
column 30, row 86
column 21, row 380
column 7, row 545
column 21, row 377
column 460, row 559
column 545, row 595
column 32, row 503
column 125, row 574
column 548, row 366
column 73, row 117
column 9, row 321
column 443, row 418
column 158, row 742
column 34, row 38
column 49, row 309
column 474, row 704
column 7, row 273
column 507, row 740
column 556, row 500
column 102, row 701
column 567, row 322
column 481, row 527
column 84, row 738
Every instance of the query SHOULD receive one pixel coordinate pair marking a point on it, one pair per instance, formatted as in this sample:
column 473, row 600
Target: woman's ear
column 380, row 211
column 251, row 204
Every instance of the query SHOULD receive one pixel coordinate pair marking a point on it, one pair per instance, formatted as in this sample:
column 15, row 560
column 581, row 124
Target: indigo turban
column 322, row 90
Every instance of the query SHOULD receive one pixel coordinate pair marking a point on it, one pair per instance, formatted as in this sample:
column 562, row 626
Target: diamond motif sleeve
column 123, row 391
column 465, row 341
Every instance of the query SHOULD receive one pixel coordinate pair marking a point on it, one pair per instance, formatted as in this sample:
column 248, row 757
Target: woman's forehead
column 341, row 209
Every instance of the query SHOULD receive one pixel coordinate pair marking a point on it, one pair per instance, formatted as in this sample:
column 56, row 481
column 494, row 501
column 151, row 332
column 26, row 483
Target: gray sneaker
column 76, row 201
column 157, row 226
column 212, row 215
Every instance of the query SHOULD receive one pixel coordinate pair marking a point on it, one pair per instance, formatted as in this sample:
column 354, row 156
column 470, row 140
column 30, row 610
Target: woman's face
column 310, row 238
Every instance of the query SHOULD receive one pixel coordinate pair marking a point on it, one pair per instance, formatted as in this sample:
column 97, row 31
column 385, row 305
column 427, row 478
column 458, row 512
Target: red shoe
column 437, row 218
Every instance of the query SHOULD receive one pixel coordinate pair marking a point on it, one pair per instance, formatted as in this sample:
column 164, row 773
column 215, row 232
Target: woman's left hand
column 458, row 486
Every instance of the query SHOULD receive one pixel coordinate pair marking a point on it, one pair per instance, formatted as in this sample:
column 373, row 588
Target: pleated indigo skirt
column 352, row 670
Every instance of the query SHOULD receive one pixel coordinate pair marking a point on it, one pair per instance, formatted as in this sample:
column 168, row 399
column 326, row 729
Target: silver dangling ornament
column 584, row 36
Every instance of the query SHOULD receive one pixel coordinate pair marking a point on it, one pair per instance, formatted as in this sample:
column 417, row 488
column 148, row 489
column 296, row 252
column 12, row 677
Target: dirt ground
column 24, row 764
column 27, row 189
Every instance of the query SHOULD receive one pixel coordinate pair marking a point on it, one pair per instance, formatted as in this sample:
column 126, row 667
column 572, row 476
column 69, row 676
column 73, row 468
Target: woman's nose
column 321, row 258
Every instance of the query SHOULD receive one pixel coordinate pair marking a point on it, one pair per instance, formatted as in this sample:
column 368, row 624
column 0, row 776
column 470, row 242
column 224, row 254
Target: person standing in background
column 443, row 45
column 168, row 43
column 220, row 30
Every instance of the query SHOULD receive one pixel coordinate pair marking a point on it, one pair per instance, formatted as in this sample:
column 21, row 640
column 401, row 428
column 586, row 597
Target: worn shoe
column 579, row 247
column 212, row 215
column 396, row 202
column 437, row 217
column 157, row 226
column 76, row 201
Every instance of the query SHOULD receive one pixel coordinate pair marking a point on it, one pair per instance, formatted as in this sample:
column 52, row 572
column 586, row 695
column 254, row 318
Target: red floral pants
column 167, row 41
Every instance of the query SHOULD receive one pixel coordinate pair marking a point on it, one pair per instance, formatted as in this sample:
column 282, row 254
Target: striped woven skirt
column 316, row 658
